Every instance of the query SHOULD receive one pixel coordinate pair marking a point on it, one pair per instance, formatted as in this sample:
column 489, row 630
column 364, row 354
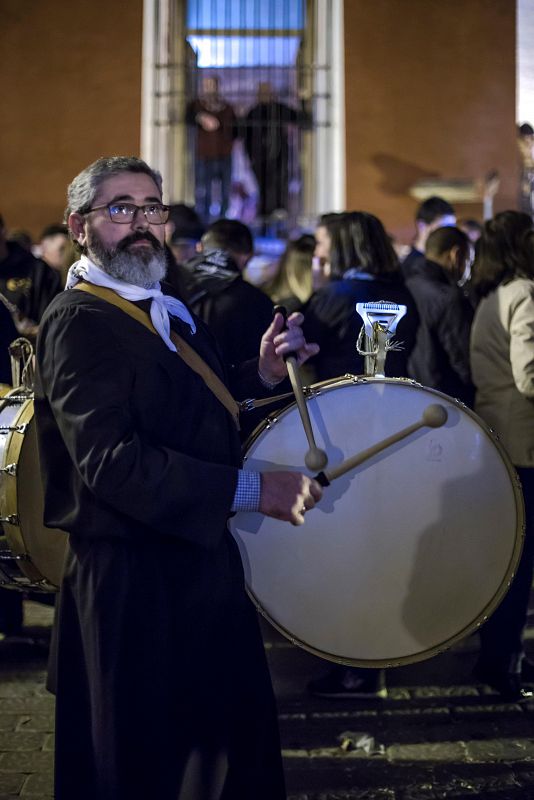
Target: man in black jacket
column 235, row 311
column 141, row 465
column 440, row 358
column 432, row 213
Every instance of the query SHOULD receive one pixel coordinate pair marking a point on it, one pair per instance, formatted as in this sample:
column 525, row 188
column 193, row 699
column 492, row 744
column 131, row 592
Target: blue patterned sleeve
column 247, row 493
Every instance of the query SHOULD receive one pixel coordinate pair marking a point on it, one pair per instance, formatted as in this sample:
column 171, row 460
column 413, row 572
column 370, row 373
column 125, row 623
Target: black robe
column 160, row 659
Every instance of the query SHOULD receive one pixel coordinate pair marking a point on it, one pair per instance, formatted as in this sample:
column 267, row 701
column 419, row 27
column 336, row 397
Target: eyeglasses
column 124, row 213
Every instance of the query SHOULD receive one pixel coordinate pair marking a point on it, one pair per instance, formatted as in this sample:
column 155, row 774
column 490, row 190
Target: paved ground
column 436, row 735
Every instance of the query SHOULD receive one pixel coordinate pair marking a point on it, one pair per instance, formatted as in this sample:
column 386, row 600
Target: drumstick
column 434, row 416
column 315, row 458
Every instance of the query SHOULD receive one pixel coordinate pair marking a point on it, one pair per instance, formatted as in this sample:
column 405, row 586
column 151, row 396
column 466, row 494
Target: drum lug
column 10, row 469
column 6, row 555
column 12, row 519
column 16, row 399
column 5, row 429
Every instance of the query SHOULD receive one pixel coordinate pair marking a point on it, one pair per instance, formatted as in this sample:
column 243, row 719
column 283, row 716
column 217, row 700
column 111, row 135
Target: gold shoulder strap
column 185, row 351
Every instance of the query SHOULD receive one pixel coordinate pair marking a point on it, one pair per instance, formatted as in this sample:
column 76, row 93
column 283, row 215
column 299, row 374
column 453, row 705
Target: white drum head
column 404, row 555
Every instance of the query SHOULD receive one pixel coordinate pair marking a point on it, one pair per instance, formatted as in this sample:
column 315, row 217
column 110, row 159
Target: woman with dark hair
column 291, row 287
column 502, row 363
column 364, row 268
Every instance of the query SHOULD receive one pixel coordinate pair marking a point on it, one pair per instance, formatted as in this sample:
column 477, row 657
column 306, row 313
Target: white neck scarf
column 162, row 304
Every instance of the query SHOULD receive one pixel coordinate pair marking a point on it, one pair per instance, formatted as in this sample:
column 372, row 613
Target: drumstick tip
column 435, row 415
column 315, row 459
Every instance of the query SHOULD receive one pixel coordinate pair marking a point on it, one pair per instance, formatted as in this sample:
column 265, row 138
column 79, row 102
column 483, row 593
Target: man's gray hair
column 83, row 189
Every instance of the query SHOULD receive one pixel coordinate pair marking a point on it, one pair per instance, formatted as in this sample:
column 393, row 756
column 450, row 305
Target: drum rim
column 347, row 380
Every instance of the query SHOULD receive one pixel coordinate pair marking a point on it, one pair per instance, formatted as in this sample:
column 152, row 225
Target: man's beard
column 143, row 267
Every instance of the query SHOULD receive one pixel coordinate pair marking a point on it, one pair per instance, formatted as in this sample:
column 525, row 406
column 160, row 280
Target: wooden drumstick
column 434, row 416
column 315, row 458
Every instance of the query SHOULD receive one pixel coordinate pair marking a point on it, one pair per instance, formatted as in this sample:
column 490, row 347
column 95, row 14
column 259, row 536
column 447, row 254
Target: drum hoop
column 347, row 380
column 9, row 502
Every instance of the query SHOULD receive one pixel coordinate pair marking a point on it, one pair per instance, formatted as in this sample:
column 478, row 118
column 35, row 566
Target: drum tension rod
column 15, row 399
column 10, row 469
column 12, row 519
column 6, row 555
column 5, row 429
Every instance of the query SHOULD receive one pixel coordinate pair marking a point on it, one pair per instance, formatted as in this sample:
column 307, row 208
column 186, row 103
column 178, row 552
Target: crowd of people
column 120, row 469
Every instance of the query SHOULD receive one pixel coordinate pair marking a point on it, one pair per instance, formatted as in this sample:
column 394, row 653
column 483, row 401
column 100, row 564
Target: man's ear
column 453, row 256
column 77, row 226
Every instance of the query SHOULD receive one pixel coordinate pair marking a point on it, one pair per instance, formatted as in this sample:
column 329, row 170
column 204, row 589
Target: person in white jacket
column 502, row 366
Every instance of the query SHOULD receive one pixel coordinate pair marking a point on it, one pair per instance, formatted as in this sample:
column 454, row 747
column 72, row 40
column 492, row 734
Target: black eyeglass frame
column 165, row 209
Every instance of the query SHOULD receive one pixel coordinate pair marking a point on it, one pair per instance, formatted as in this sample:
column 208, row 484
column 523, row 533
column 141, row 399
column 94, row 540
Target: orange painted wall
column 430, row 90
column 71, row 92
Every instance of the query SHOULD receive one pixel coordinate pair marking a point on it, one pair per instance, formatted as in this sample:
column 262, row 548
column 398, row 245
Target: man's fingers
column 275, row 327
column 311, row 349
column 316, row 491
column 288, row 495
column 295, row 319
column 293, row 339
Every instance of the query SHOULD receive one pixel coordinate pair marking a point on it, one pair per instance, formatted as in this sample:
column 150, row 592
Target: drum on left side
column 31, row 555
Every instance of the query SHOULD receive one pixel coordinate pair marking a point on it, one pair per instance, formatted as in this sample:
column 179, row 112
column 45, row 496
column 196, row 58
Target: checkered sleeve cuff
column 247, row 493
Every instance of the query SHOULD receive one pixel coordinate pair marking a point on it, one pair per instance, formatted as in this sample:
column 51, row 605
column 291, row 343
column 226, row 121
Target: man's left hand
column 277, row 343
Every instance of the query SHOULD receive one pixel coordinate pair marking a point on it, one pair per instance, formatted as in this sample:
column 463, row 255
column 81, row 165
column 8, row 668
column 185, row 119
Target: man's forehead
column 135, row 185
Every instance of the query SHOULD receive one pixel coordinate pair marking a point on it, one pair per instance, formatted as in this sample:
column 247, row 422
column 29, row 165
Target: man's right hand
column 288, row 495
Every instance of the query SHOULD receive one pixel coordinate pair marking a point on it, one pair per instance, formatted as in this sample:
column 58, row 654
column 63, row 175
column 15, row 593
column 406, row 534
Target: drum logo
column 434, row 451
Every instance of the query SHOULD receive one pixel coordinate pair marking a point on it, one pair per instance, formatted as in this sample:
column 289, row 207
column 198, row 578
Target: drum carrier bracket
column 375, row 339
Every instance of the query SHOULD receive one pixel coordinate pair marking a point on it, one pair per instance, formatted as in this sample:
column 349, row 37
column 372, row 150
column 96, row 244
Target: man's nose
column 139, row 221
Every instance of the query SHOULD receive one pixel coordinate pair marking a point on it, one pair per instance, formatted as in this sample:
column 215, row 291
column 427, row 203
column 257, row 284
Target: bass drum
column 405, row 554
column 32, row 556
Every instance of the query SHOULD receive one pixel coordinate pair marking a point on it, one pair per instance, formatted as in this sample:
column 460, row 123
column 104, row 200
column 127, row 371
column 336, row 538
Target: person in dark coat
column 440, row 358
column 363, row 268
column 26, row 282
column 215, row 125
column 431, row 214
column 267, row 146
column 236, row 312
column 162, row 685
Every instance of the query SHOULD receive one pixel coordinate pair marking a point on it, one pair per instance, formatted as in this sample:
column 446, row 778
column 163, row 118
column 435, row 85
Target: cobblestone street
column 437, row 735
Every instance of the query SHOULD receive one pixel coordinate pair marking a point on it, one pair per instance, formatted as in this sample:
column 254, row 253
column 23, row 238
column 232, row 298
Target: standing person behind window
column 502, row 360
column 267, row 146
column 215, row 124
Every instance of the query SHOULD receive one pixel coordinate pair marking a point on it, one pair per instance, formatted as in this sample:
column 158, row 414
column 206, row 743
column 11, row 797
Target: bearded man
column 162, row 684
